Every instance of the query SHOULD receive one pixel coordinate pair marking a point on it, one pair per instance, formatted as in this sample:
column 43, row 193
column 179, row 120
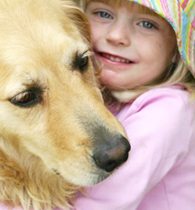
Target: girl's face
column 134, row 45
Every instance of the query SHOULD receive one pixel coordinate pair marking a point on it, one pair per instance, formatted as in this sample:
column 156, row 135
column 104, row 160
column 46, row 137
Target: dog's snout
column 111, row 154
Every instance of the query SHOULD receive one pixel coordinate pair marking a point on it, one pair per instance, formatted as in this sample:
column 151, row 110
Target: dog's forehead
column 44, row 32
column 38, row 20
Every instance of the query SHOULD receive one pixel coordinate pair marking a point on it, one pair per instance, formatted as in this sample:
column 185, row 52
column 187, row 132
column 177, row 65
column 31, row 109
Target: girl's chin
column 113, row 81
column 108, row 77
column 110, row 82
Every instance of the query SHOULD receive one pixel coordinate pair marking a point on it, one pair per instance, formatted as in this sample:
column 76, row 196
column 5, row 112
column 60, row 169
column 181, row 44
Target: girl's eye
column 103, row 14
column 147, row 25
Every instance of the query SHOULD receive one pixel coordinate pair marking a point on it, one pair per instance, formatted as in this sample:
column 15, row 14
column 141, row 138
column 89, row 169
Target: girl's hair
column 176, row 74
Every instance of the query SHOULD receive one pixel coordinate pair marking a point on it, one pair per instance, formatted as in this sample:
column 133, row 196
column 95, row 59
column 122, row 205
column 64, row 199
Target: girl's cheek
column 97, row 31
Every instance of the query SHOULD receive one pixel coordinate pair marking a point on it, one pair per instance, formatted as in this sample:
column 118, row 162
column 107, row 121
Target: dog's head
column 50, row 105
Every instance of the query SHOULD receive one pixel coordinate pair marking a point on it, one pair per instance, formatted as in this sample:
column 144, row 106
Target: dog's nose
column 111, row 154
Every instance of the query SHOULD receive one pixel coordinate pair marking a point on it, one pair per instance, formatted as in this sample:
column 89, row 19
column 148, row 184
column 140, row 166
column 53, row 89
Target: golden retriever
column 55, row 133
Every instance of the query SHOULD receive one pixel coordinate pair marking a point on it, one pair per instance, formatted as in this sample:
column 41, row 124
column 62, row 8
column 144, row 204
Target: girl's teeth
column 116, row 59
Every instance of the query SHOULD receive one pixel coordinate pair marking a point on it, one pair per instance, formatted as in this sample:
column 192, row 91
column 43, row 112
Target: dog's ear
column 76, row 15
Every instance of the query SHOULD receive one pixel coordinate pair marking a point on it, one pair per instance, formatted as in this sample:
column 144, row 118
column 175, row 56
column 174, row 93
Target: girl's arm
column 159, row 128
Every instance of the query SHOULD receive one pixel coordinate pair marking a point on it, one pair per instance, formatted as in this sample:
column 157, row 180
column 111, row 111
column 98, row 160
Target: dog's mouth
column 89, row 179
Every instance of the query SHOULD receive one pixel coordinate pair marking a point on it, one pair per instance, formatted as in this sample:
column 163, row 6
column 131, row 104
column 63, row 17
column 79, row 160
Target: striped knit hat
column 181, row 15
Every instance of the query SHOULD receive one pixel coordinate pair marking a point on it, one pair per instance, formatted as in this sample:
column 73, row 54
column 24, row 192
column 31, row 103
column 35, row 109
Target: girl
column 146, row 48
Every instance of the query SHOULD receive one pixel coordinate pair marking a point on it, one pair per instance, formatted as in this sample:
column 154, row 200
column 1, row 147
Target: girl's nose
column 119, row 35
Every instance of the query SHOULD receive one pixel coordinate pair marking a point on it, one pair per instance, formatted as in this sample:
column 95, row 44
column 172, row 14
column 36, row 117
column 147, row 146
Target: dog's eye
column 27, row 98
column 81, row 62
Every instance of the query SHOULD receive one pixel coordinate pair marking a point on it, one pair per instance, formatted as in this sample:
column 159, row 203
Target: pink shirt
column 160, row 172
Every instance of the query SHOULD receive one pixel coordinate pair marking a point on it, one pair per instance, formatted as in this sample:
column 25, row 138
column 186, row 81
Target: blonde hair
column 84, row 3
column 176, row 74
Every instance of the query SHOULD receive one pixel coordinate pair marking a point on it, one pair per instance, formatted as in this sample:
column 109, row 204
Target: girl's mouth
column 114, row 58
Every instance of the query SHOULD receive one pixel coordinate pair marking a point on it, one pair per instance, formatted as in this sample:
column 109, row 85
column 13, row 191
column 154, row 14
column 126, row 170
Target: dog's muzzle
column 111, row 152
column 110, row 148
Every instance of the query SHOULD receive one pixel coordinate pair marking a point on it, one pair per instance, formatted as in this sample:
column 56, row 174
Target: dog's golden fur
column 49, row 105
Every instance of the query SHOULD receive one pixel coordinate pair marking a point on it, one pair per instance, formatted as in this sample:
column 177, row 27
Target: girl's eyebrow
column 109, row 2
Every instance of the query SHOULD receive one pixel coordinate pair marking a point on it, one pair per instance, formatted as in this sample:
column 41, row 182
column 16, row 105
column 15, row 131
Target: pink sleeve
column 158, row 127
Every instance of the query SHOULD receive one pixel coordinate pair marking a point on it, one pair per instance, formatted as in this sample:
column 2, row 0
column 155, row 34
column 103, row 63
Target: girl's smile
column 113, row 59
